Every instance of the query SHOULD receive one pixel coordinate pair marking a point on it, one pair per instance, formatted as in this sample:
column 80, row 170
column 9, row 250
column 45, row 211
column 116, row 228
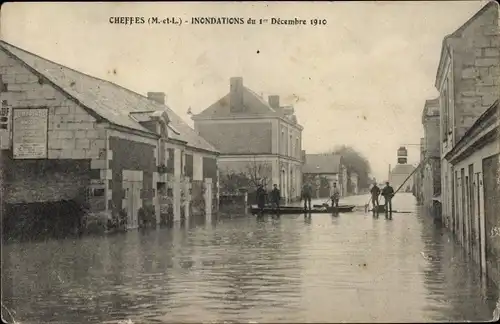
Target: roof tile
column 108, row 100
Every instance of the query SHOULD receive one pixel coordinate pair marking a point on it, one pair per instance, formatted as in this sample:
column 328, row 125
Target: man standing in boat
column 335, row 196
column 276, row 197
column 261, row 196
column 375, row 191
column 388, row 193
column 306, row 195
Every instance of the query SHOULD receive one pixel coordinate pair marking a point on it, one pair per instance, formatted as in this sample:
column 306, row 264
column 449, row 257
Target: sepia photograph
column 250, row 162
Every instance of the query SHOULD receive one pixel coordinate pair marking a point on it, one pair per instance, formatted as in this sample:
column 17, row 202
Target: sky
column 360, row 80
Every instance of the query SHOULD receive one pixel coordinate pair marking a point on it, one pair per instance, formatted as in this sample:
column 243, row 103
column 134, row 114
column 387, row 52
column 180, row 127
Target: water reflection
column 293, row 268
column 446, row 263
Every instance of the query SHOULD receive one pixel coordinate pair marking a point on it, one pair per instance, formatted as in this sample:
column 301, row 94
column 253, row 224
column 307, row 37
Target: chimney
column 274, row 101
column 236, row 94
column 159, row 97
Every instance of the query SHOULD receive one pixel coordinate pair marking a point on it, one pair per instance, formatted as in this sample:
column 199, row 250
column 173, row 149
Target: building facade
column 322, row 171
column 430, row 170
column 260, row 139
column 69, row 139
column 468, row 81
column 475, row 162
column 418, row 177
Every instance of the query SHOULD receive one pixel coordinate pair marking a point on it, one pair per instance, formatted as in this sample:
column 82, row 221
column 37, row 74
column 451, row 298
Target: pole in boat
column 401, row 186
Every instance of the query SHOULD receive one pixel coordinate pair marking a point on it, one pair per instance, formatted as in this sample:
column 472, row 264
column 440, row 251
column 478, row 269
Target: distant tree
column 356, row 162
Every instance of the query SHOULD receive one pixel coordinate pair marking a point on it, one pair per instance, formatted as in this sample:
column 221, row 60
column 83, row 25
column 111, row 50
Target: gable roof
column 105, row 99
column 322, row 163
column 253, row 103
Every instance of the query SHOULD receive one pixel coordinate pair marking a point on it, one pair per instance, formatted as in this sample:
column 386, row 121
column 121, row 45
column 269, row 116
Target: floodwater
column 349, row 268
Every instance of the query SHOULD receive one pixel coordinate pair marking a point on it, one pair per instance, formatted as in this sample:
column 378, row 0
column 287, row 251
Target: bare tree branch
column 259, row 172
column 254, row 173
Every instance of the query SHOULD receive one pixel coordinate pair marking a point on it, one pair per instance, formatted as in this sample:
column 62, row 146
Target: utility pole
column 389, row 174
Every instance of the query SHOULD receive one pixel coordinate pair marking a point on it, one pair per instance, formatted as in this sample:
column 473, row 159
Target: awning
column 437, row 198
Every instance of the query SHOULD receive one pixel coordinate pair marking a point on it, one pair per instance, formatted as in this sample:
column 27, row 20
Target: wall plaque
column 29, row 130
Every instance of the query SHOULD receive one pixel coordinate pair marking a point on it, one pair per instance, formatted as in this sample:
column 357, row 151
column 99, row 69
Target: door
column 463, row 206
column 132, row 202
column 479, row 223
column 467, row 217
column 136, row 190
column 472, row 214
column 129, row 203
column 208, row 196
column 491, row 216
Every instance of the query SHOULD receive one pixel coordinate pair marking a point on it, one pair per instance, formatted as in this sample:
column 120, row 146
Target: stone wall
column 476, row 69
column 248, row 137
column 29, row 181
column 432, row 132
column 72, row 131
column 492, row 219
column 73, row 136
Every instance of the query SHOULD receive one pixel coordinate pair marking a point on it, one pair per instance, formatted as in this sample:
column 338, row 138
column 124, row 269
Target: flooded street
column 350, row 268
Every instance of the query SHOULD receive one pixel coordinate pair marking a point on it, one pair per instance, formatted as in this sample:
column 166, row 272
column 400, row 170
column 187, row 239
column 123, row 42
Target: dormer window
column 163, row 130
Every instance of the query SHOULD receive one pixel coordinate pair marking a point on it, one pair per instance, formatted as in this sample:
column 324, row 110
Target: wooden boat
column 381, row 210
column 300, row 210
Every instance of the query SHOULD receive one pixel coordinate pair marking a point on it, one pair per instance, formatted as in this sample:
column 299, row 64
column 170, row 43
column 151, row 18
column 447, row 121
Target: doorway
column 472, row 214
column 463, row 206
column 208, row 196
column 480, row 225
column 132, row 185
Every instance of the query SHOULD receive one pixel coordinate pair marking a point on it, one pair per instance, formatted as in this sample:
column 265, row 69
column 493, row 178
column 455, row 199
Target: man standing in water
column 375, row 191
column 335, row 196
column 276, row 197
column 388, row 193
column 306, row 195
column 261, row 198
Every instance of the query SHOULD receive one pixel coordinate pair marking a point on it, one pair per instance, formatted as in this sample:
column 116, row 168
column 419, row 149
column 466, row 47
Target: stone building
column 418, row 177
column 71, row 139
column 431, row 169
column 322, row 171
column 475, row 161
column 261, row 139
column 468, row 82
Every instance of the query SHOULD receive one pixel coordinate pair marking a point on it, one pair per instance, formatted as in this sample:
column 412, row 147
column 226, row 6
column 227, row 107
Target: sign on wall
column 29, row 133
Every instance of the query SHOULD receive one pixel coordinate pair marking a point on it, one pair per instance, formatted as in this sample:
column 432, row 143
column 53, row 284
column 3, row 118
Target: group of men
column 387, row 192
column 262, row 197
column 306, row 195
column 274, row 196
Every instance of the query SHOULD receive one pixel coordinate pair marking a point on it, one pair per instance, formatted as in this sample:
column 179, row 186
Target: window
column 98, row 192
column 4, row 115
column 445, row 106
column 283, row 143
column 3, row 86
